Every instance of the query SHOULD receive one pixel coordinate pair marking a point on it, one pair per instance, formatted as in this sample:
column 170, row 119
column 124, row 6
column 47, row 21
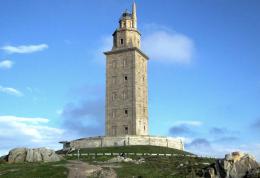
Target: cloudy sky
column 204, row 71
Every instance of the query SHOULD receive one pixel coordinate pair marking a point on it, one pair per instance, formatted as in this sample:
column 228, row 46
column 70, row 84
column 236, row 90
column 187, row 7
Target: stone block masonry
column 98, row 142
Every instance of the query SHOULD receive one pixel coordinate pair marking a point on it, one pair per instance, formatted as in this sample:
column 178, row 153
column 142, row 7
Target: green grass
column 133, row 149
column 154, row 166
column 164, row 167
column 34, row 170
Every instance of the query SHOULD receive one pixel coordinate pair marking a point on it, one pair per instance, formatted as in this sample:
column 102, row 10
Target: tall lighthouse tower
column 126, row 80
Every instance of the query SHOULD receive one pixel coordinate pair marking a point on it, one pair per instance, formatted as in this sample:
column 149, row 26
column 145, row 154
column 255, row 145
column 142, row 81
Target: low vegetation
column 177, row 167
column 133, row 149
column 34, row 170
column 154, row 166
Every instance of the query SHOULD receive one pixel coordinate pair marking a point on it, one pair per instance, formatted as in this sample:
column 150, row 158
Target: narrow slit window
column 126, row 78
column 122, row 41
column 126, row 130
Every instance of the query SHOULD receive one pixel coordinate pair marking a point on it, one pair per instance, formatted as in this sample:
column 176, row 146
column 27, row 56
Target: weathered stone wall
column 119, row 94
column 95, row 142
column 126, row 93
column 141, row 94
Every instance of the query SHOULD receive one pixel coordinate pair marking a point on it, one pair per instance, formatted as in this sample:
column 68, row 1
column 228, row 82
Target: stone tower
column 126, row 81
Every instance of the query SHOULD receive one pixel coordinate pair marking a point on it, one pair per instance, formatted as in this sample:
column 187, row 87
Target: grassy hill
column 34, row 170
column 134, row 149
column 154, row 166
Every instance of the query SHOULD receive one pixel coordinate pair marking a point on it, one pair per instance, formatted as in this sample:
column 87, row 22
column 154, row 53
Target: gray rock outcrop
column 20, row 155
column 237, row 165
column 17, row 155
column 234, row 165
column 120, row 159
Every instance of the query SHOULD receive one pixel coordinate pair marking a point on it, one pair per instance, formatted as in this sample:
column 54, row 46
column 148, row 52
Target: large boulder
column 234, row 165
column 19, row 155
column 237, row 164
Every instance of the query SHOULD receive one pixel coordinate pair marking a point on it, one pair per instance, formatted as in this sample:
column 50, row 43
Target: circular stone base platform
column 105, row 141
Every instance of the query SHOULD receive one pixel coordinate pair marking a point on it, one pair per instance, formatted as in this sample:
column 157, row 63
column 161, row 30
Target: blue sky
column 203, row 72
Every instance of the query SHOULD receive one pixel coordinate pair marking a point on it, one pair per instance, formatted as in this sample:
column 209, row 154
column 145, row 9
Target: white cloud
column 6, row 64
column 24, row 48
column 165, row 45
column 23, row 119
column 27, row 132
column 188, row 123
column 10, row 91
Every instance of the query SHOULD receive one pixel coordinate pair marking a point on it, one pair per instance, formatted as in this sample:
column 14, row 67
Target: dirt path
column 79, row 169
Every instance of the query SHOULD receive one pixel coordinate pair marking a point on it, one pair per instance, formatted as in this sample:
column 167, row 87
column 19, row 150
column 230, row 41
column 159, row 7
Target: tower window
column 126, row 112
column 126, row 78
column 122, row 41
column 126, row 130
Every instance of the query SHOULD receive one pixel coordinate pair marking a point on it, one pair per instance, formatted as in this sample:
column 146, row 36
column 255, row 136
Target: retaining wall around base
column 94, row 142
